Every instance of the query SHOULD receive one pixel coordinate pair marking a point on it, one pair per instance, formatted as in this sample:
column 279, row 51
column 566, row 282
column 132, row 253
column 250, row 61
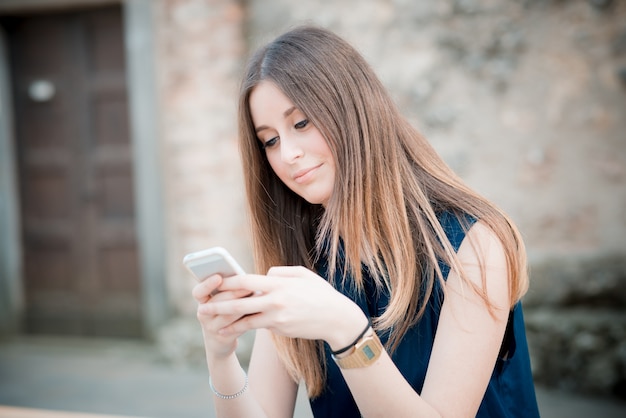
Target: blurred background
column 118, row 156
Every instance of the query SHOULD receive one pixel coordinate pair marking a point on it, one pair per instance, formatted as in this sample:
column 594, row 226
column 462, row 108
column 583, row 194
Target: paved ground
column 131, row 378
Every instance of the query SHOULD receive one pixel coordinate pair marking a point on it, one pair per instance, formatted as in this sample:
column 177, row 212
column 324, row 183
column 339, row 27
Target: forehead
column 268, row 101
column 267, row 96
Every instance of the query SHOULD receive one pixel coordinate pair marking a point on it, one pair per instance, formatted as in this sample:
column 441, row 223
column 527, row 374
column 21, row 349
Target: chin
column 316, row 200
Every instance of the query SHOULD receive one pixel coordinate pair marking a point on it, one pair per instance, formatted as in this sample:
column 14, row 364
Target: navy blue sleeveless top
column 510, row 392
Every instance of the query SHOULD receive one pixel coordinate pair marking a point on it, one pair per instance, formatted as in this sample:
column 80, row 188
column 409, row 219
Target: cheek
column 321, row 146
column 277, row 166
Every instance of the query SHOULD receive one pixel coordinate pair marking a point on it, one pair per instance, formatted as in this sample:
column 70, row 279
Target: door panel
column 81, row 270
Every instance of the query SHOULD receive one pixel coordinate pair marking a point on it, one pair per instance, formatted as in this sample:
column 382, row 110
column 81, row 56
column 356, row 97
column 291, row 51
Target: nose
column 290, row 149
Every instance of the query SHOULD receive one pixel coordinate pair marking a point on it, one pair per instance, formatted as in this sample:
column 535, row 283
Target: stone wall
column 576, row 324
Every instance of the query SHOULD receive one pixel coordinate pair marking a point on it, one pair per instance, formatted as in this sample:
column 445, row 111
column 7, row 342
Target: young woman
column 392, row 289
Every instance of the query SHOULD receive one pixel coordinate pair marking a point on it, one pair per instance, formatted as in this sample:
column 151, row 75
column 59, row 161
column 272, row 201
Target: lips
column 303, row 175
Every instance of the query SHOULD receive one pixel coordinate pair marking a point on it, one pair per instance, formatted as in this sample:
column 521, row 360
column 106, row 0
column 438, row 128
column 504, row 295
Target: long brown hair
column 389, row 185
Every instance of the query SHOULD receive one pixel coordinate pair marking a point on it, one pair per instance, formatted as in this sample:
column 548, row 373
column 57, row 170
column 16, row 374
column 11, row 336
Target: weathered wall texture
column 525, row 99
column 200, row 48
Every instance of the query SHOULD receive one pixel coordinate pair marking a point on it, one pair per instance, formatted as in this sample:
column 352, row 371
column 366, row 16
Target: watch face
column 365, row 352
column 369, row 353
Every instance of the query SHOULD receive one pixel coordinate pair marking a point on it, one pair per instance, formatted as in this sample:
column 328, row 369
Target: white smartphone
column 216, row 260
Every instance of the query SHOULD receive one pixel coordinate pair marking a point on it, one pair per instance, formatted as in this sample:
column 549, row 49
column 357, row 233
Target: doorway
column 81, row 270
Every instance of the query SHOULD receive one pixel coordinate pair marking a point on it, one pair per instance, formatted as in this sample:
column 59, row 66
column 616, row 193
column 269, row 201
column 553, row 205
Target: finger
column 213, row 323
column 235, row 307
column 288, row 271
column 215, row 326
column 244, row 324
column 252, row 282
column 229, row 295
column 202, row 291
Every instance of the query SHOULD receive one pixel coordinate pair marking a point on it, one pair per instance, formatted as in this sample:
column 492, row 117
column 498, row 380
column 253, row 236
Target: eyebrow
column 286, row 113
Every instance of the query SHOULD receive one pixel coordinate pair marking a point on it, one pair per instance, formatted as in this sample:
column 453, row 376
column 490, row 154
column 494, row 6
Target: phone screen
column 212, row 261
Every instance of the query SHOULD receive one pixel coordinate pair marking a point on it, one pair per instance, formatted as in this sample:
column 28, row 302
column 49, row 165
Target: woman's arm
column 465, row 348
column 269, row 381
column 469, row 336
column 271, row 392
column 226, row 374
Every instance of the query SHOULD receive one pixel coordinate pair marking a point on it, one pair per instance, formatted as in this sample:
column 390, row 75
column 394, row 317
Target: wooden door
column 81, row 272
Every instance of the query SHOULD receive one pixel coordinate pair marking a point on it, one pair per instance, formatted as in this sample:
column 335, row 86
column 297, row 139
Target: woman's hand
column 290, row 301
column 207, row 292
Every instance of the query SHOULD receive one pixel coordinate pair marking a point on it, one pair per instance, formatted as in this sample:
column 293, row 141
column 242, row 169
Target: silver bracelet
column 234, row 395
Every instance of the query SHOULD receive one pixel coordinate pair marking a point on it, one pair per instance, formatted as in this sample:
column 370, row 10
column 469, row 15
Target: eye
column 269, row 143
column 302, row 124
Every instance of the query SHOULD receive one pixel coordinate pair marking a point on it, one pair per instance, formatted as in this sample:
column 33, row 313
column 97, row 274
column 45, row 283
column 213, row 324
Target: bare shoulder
column 482, row 245
column 483, row 260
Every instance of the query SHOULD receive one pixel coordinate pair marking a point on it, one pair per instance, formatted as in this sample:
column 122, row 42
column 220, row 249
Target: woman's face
column 295, row 148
